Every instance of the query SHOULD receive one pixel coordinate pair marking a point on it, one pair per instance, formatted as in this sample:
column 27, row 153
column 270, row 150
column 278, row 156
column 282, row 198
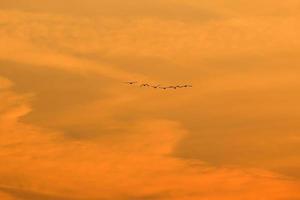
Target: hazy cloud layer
column 40, row 164
column 70, row 129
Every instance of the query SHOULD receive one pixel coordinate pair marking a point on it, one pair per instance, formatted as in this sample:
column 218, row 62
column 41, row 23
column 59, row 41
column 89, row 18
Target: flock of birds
column 158, row 86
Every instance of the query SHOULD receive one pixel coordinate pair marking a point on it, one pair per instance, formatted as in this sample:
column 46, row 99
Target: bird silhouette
column 144, row 85
column 179, row 86
column 131, row 82
column 173, row 87
column 186, row 86
column 158, row 86
column 155, row 86
column 164, row 88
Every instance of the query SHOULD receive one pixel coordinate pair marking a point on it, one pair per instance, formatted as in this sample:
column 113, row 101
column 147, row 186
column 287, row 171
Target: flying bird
column 187, row 86
column 174, row 87
column 179, row 86
column 158, row 86
column 164, row 88
column 155, row 86
column 144, row 85
column 131, row 82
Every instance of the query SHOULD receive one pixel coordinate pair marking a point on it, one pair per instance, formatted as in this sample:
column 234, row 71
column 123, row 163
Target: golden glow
column 71, row 129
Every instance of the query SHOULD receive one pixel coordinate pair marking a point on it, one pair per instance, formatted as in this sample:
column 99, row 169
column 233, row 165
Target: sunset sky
column 70, row 129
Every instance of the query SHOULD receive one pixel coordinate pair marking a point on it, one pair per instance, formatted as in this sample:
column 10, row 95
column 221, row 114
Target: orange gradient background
column 70, row 129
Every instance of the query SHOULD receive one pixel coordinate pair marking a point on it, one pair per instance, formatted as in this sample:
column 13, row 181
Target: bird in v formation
column 158, row 86
column 130, row 82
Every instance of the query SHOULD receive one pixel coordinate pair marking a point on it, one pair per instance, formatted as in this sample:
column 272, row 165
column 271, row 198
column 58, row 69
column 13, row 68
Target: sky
column 70, row 129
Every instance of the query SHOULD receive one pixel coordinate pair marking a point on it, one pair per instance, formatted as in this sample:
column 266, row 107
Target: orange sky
column 71, row 130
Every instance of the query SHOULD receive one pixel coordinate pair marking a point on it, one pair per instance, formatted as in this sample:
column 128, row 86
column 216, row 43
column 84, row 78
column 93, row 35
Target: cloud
column 23, row 49
column 41, row 163
column 61, row 37
column 238, row 65
column 147, row 48
column 192, row 10
column 6, row 196
column 242, row 110
column 167, row 9
column 19, row 194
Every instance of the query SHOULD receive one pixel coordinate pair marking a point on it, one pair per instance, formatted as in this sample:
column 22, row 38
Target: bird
column 187, row 86
column 158, row 86
column 155, row 86
column 131, row 82
column 174, row 87
column 144, row 85
column 164, row 88
column 179, row 86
